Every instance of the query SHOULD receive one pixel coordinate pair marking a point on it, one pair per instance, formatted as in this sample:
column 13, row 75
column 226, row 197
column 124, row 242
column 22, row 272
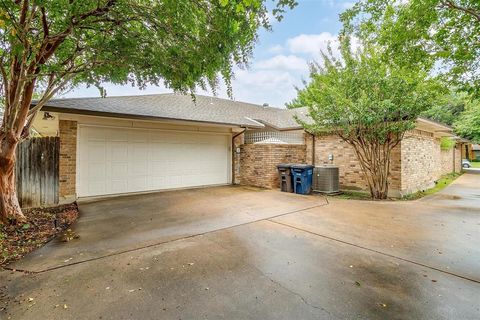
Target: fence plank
column 36, row 172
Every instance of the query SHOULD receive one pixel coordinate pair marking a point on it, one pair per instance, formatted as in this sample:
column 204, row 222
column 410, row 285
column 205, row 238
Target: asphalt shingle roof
column 181, row 107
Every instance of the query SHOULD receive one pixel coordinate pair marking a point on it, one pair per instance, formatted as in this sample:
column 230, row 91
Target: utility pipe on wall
column 233, row 153
column 313, row 148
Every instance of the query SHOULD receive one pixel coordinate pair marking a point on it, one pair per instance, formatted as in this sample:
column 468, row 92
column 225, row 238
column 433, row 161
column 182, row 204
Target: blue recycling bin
column 302, row 175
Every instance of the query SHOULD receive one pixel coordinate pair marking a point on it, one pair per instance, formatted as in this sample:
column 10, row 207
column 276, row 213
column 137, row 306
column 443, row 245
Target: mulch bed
column 42, row 225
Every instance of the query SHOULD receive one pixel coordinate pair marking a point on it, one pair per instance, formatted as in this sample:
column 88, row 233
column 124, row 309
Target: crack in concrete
column 304, row 300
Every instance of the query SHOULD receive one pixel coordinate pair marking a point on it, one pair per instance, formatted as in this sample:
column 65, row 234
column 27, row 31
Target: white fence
column 274, row 137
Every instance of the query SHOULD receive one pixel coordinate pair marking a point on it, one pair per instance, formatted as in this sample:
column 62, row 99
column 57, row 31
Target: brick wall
column 237, row 143
column 351, row 174
column 68, row 154
column 258, row 162
column 309, row 148
column 446, row 157
column 452, row 159
column 416, row 163
column 458, row 157
column 421, row 161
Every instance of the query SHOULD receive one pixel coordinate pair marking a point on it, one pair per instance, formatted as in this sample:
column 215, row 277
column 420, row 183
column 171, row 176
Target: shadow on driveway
column 121, row 224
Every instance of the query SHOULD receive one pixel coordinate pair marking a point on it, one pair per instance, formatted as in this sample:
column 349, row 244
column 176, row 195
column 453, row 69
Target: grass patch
column 475, row 164
column 353, row 195
column 440, row 184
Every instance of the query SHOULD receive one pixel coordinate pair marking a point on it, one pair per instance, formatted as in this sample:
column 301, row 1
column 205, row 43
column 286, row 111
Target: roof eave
column 142, row 117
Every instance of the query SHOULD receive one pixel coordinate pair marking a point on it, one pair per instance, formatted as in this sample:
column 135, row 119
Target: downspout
column 313, row 148
column 233, row 153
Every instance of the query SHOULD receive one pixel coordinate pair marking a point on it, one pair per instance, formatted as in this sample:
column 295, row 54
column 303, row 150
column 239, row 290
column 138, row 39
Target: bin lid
column 284, row 165
column 302, row 166
column 326, row 166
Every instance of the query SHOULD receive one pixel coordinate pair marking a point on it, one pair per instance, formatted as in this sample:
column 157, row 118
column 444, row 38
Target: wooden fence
column 37, row 173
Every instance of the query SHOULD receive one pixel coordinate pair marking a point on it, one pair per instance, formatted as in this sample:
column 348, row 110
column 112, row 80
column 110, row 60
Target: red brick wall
column 258, row 162
column 68, row 155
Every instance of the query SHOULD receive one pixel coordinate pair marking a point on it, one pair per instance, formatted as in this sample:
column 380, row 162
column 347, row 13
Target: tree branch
column 471, row 11
column 44, row 23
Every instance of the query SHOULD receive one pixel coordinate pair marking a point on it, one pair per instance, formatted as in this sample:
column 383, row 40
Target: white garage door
column 121, row 160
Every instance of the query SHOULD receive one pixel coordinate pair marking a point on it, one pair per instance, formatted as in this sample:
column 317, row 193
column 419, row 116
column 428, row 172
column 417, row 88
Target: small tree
column 368, row 104
column 49, row 45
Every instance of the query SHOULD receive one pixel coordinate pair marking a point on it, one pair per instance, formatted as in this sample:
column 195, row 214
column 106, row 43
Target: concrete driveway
column 244, row 253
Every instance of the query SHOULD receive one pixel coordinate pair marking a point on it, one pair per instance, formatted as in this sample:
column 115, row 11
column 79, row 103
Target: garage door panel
column 96, row 187
column 118, row 186
column 118, row 170
column 118, row 150
column 95, row 134
column 121, row 160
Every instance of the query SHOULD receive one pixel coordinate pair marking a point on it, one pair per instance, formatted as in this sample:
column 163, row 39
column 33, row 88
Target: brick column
column 237, row 142
column 68, row 157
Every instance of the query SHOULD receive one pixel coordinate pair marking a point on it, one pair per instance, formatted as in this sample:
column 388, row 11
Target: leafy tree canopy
column 370, row 104
column 468, row 124
column 361, row 93
column 448, row 109
column 437, row 35
column 183, row 43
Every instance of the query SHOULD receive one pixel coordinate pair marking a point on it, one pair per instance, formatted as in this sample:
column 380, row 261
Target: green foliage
column 182, row 43
column 448, row 109
column 361, row 95
column 447, row 143
column 437, row 35
column 468, row 124
column 368, row 103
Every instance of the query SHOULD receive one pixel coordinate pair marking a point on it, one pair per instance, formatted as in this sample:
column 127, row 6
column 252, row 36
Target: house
column 474, row 152
column 130, row 144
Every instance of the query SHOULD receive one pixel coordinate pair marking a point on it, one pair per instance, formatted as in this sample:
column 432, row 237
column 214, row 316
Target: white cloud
column 338, row 3
column 282, row 62
column 275, row 49
column 312, row 44
column 274, row 87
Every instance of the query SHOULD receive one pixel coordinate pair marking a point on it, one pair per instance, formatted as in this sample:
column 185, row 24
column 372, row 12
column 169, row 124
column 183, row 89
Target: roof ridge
column 108, row 97
column 170, row 94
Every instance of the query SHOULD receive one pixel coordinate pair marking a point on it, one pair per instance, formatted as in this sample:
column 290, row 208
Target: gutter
column 140, row 117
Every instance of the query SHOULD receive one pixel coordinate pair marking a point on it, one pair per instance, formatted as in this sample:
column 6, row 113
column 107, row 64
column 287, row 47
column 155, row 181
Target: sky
column 280, row 60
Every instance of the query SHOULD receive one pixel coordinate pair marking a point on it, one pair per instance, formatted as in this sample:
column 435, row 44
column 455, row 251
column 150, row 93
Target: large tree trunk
column 379, row 185
column 10, row 210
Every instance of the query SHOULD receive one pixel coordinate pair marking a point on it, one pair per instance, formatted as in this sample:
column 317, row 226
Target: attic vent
column 274, row 137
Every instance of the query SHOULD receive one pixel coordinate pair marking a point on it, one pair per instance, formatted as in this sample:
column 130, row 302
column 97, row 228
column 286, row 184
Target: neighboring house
column 119, row 145
column 474, row 151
